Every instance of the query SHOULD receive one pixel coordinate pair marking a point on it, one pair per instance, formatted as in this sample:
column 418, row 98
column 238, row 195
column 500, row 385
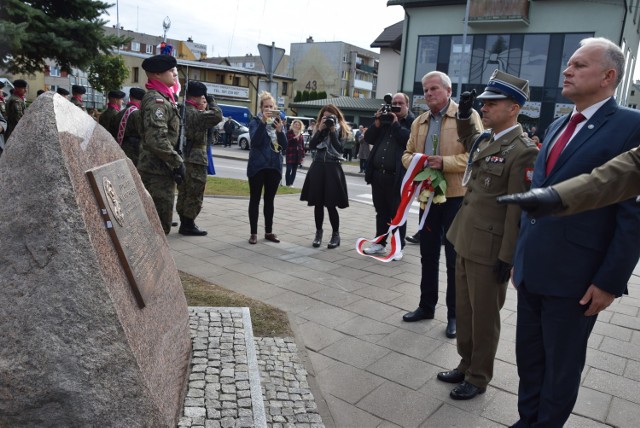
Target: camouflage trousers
column 162, row 189
column 131, row 148
column 191, row 191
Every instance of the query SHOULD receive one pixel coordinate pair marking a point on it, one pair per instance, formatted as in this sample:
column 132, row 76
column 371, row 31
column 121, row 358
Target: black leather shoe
column 193, row 230
column 451, row 328
column 174, row 223
column 318, row 239
column 466, row 391
column 418, row 315
column 335, row 240
column 271, row 237
column 415, row 239
column 452, row 376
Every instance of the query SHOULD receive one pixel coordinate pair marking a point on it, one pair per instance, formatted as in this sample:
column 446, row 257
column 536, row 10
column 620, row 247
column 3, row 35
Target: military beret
column 159, row 63
column 19, row 83
column 116, row 94
column 136, row 93
column 78, row 89
column 1, row 84
column 62, row 91
column 196, row 89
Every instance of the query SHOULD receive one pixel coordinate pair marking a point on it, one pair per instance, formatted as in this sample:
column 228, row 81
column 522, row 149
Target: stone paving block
column 347, row 383
column 346, row 415
column 317, row 337
column 400, row 405
column 363, row 326
column 623, row 414
column 620, row 348
column 505, row 376
column 626, row 321
column 335, row 297
column 502, row 407
column 576, row 421
column 301, row 286
column 592, row 404
column 506, row 351
column 606, row 361
column 326, row 315
column 617, row 386
column 614, row 331
column 372, row 309
column 632, row 371
column 412, row 344
column 355, row 352
column 292, row 302
column 406, row 371
column 449, row 416
column 320, row 362
column 377, row 294
column 444, row 356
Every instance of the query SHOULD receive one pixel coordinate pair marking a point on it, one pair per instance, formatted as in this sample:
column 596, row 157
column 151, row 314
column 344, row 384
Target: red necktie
column 557, row 149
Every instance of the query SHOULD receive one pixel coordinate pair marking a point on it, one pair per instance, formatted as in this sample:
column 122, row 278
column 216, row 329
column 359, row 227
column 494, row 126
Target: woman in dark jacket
column 325, row 184
column 264, row 168
column 295, row 151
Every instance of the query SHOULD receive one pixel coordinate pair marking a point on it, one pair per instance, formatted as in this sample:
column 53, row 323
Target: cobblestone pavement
column 235, row 377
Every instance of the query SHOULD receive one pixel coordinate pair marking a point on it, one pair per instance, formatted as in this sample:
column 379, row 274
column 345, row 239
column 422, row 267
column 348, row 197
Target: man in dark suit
column 568, row 269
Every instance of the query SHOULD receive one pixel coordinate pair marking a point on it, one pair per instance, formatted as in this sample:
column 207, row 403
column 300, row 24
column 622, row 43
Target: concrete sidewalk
column 370, row 368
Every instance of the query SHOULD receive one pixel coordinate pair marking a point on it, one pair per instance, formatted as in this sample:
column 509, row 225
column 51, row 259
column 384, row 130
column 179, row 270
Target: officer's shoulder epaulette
column 528, row 142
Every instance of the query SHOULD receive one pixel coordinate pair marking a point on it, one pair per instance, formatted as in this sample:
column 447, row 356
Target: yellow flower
column 439, row 199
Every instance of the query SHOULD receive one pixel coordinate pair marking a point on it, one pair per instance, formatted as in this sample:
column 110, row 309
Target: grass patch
column 217, row 186
column 267, row 321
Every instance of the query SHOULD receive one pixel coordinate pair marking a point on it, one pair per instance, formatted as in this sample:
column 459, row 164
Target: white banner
column 217, row 89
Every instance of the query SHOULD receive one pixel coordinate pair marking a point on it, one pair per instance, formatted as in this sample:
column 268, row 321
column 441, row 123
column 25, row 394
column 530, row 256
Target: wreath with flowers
column 435, row 186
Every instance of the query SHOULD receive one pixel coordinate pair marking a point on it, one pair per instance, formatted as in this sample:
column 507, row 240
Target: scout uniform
column 484, row 233
column 107, row 116
column 159, row 163
column 76, row 96
column 127, row 125
column 15, row 108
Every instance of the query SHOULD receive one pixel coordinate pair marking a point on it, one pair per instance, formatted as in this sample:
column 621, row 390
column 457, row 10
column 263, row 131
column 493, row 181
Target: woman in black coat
column 325, row 184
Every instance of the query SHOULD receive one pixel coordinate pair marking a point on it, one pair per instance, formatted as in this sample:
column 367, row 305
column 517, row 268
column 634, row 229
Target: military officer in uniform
column 114, row 105
column 615, row 181
column 127, row 125
column 194, row 151
column 484, row 233
column 160, row 166
column 77, row 91
column 16, row 106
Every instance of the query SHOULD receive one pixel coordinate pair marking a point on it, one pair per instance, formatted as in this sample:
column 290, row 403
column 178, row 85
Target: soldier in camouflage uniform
column 127, row 125
column 159, row 165
column 16, row 106
column 191, row 191
column 77, row 92
column 3, row 106
column 114, row 105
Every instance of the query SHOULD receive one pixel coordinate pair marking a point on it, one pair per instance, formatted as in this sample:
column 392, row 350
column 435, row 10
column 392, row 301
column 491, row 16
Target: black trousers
column 432, row 236
column 551, row 349
column 269, row 179
column 386, row 198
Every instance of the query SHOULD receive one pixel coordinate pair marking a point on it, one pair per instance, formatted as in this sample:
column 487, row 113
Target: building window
column 535, row 51
column 345, row 58
column 54, row 71
column 236, row 81
column 135, row 46
column 136, row 74
column 427, row 55
column 150, row 49
column 285, row 88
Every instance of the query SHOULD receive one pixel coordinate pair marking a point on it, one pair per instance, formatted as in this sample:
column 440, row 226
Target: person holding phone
column 325, row 184
column 264, row 169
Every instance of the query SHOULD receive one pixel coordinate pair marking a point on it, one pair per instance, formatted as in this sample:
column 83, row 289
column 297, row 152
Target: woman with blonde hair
column 325, row 184
column 264, row 169
column 295, row 151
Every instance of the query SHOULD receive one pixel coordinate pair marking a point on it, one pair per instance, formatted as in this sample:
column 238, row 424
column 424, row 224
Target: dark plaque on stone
column 128, row 225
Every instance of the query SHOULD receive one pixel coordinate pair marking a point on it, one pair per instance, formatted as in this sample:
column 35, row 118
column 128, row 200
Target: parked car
column 239, row 129
column 244, row 141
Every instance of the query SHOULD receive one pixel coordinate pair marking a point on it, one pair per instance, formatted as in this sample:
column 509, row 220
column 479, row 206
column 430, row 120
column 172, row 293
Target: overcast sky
column 235, row 27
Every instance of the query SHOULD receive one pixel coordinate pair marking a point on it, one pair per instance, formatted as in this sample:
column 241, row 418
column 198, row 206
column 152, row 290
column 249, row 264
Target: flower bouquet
column 435, row 185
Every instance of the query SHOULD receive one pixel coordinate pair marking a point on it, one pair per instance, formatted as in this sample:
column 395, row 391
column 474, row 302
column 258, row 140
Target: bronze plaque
column 139, row 248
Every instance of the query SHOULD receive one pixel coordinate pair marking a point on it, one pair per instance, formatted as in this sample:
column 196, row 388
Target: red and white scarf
column 408, row 192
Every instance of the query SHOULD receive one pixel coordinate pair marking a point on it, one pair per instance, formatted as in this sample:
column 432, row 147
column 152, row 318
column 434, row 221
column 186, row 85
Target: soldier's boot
column 188, row 227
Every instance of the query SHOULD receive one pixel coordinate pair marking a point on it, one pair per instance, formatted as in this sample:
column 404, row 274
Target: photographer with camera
column 264, row 169
column 384, row 170
column 325, row 184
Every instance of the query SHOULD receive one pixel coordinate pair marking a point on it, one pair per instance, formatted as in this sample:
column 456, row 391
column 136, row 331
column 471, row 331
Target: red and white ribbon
column 123, row 123
column 408, row 192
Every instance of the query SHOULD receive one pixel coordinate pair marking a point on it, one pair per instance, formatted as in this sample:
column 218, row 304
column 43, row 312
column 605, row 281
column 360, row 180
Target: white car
column 244, row 141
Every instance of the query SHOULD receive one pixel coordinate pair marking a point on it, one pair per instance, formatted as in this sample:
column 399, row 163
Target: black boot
column 318, row 239
column 335, row 240
column 189, row 228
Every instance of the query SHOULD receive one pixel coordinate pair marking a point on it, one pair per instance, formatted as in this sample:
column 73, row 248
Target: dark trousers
column 386, row 198
column 432, row 236
column 348, row 154
column 269, row 179
column 551, row 348
column 228, row 139
column 363, row 164
column 290, row 174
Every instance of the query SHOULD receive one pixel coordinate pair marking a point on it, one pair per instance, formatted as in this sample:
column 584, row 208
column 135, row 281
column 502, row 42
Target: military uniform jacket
column 160, row 127
column 198, row 123
column 484, row 231
column 15, row 110
column 615, row 181
column 106, row 119
column 77, row 103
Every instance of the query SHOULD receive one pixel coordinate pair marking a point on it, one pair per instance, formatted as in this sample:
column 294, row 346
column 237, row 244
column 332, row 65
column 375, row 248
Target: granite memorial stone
column 78, row 347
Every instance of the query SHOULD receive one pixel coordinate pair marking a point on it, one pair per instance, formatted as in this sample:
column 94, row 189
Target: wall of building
column 388, row 72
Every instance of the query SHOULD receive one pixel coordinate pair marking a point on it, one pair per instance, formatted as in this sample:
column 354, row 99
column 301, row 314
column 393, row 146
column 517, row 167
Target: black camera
column 387, row 109
column 331, row 121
